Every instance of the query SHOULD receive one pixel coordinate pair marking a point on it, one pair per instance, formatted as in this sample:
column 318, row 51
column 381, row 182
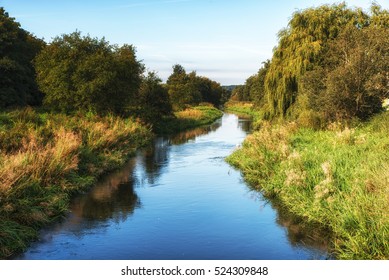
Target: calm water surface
column 178, row 199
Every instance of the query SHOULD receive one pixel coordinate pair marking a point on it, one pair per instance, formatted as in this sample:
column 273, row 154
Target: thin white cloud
column 149, row 3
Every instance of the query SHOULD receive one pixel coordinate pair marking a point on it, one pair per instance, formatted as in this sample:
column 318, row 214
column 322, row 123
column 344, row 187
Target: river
column 179, row 199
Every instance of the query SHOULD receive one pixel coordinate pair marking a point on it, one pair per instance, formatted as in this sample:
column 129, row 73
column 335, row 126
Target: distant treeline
column 77, row 73
column 331, row 63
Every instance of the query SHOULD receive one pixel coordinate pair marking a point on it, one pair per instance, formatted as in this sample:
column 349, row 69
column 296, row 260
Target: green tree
column 183, row 88
column 253, row 89
column 153, row 99
column 379, row 16
column 84, row 73
column 353, row 82
column 211, row 91
column 238, row 94
column 17, row 75
column 176, row 87
column 301, row 48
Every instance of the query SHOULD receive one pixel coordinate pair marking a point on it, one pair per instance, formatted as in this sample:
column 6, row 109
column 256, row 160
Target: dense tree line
column 84, row 73
column 81, row 73
column 17, row 74
column 331, row 63
column 190, row 89
column 254, row 87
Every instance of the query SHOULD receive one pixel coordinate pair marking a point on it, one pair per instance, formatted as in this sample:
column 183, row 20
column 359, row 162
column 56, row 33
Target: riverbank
column 47, row 158
column 188, row 118
column 241, row 108
column 245, row 110
column 337, row 178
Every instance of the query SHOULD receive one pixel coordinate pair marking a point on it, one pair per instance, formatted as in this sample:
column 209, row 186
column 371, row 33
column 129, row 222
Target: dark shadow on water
column 245, row 124
column 300, row 232
column 185, row 136
column 113, row 197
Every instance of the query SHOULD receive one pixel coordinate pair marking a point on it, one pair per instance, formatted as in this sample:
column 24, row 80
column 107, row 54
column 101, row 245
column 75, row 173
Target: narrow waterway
column 179, row 199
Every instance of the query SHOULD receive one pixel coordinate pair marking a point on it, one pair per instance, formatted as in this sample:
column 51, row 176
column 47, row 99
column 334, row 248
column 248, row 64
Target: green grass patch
column 242, row 108
column 337, row 178
column 245, row 110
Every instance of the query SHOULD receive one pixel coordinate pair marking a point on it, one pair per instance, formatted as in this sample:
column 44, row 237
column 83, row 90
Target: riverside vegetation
column 336, row 178
column 93, row 107
column 320, row 145
column 46, row 158
column 321, row 140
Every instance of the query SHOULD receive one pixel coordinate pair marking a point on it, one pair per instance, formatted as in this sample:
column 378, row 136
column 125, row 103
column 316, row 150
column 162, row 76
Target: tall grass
column 338, row 178
column 45, row 158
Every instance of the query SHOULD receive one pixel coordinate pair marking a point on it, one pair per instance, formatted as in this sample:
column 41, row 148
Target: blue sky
column 225, row 40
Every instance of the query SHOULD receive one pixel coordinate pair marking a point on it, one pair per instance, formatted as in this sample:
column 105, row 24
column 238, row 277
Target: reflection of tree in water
column 155, row 157
column 185, row 136
column 112, row 197
column 300, row 232
column 245, row 124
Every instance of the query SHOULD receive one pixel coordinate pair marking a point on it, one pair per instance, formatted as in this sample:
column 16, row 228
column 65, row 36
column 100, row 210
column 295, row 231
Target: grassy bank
column 46, row 158
column 189, row 118
column 244, row 109
column 337, row 178
column 241, row 108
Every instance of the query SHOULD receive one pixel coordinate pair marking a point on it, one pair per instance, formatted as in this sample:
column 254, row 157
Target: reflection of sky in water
column 178, row 199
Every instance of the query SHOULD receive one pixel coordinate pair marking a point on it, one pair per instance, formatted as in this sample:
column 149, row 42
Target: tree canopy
column 189, row 89
column 17, row 75
column 82, row 73
column 353, row 80
column 153, row 101
column 331, row 62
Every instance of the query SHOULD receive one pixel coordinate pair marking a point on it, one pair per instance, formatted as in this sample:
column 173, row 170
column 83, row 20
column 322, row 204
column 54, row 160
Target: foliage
column 354, row 81
column 301, row 47
column 182, row 89
column 152, row 103
column 17, row 49
column 84, row 73
column 190, row 90
column 253, row 90
column 330, row 64
column 239, row 94
column 337, row 178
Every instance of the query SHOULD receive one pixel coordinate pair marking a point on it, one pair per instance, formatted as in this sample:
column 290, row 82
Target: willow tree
column 301, row 47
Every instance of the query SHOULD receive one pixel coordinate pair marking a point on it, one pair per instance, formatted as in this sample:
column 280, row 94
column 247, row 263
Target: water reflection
column 113, row 197
column 245, row 124
column 300, row 233
column 184, row 137
column 155, row 158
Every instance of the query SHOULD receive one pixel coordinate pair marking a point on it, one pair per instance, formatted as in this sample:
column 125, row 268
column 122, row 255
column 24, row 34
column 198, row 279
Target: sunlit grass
column 189, row 118
column 338, row 178
column 190, row 113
